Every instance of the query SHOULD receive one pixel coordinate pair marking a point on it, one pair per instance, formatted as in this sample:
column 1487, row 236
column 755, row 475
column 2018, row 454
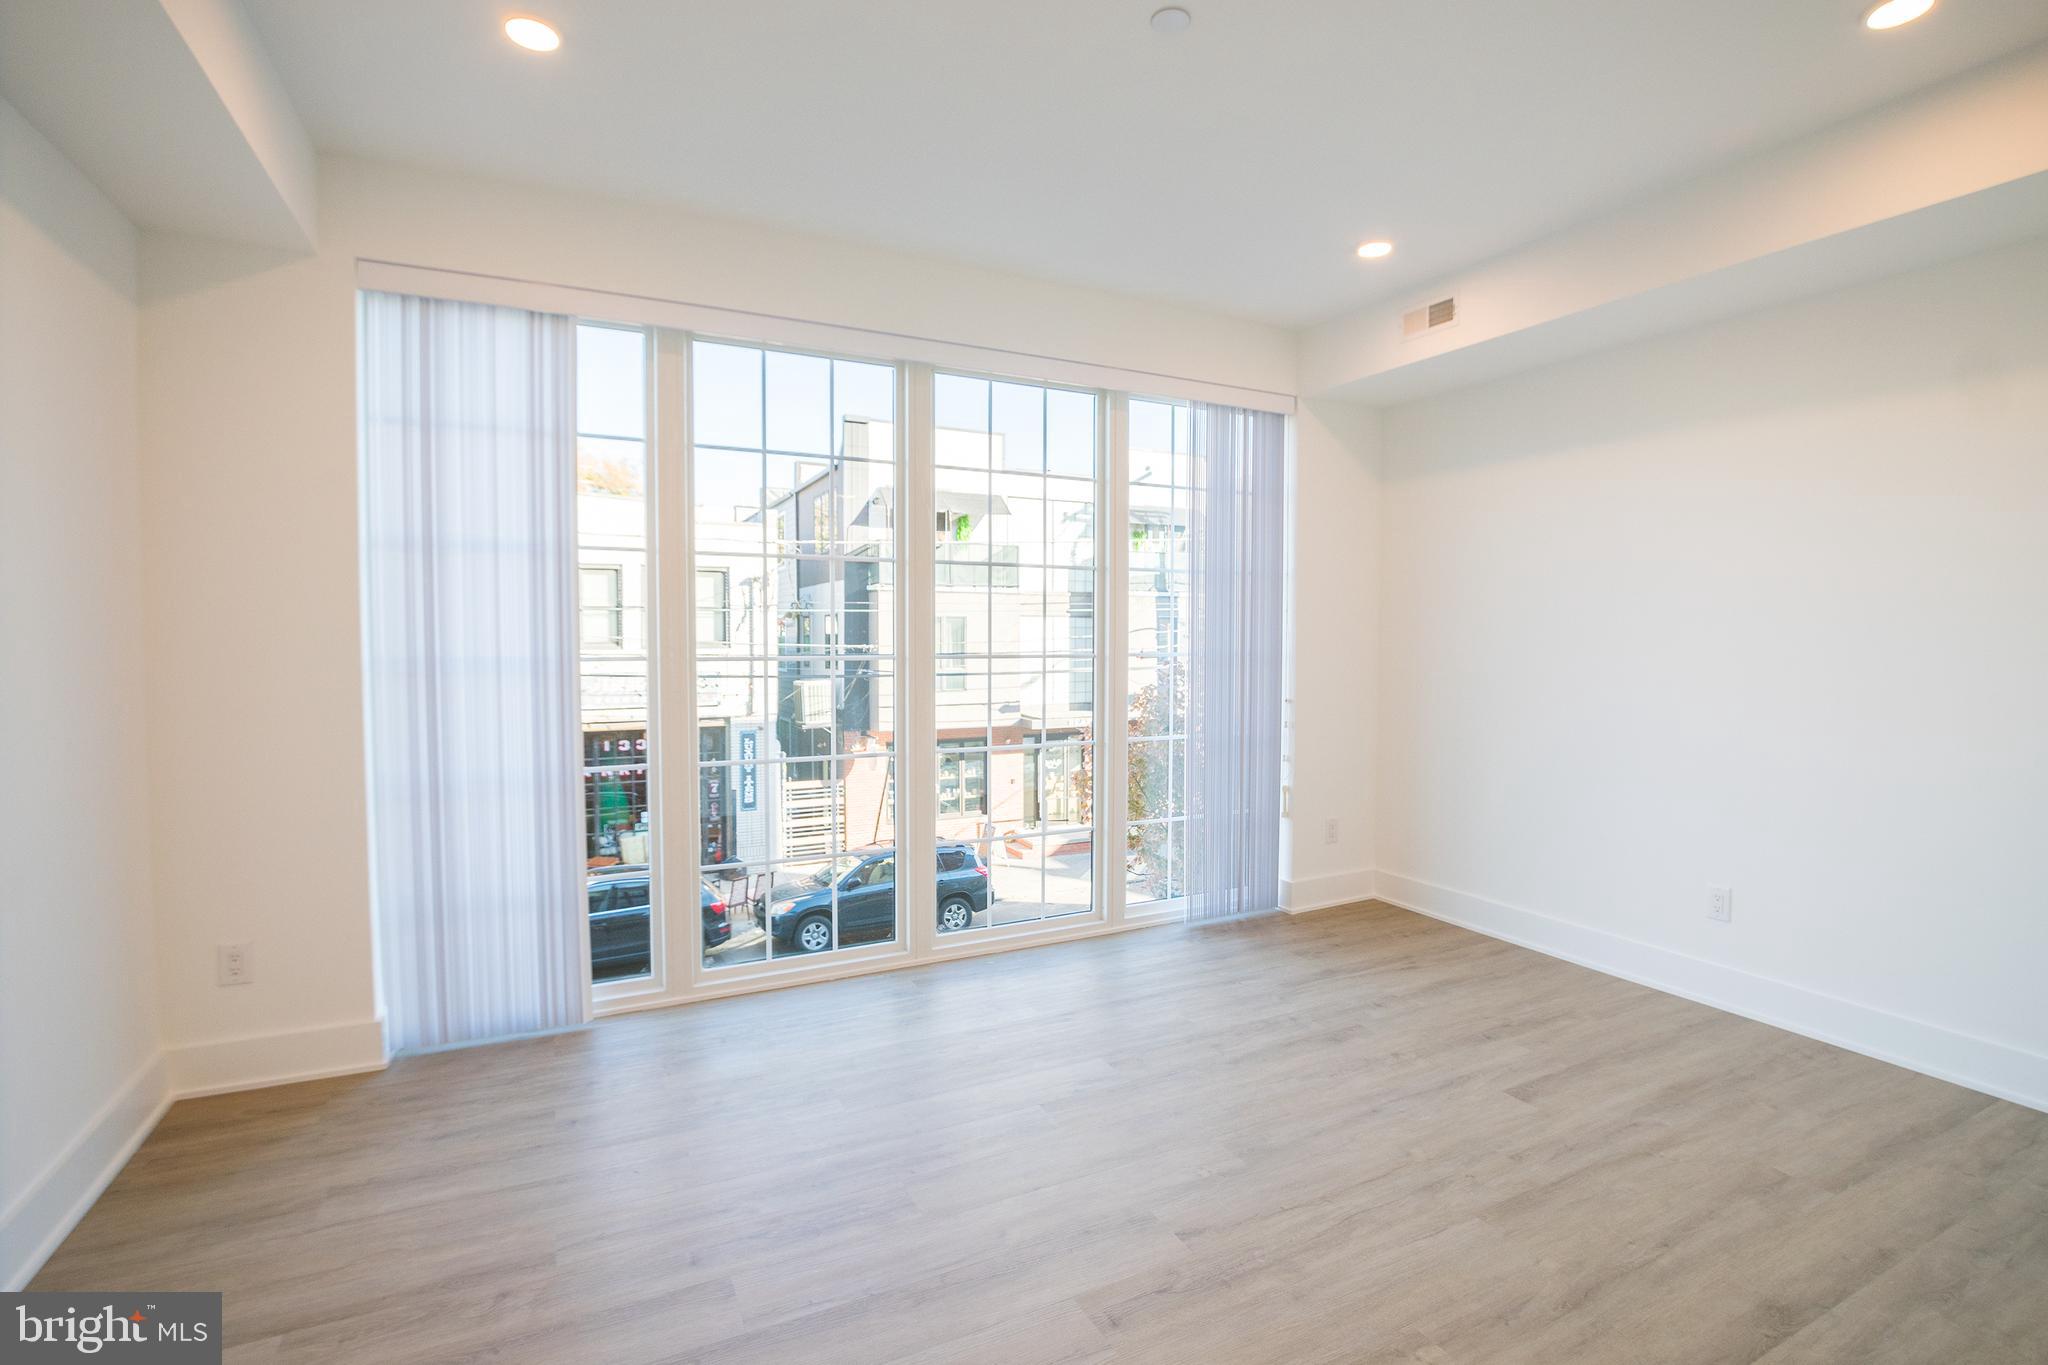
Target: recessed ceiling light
column 532, row 35
column 1893, row 13
column 1372, row 251
column 1172, row 19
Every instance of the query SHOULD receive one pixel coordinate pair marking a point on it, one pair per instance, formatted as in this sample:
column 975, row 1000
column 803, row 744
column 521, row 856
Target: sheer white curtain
column 1238, row 559
column 468, row 499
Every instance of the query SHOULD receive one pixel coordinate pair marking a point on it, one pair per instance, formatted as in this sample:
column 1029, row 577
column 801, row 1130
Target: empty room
column 924, row 680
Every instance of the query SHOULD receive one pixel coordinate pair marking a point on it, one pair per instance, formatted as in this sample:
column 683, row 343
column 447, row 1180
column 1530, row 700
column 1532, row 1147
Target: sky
column 748, row 399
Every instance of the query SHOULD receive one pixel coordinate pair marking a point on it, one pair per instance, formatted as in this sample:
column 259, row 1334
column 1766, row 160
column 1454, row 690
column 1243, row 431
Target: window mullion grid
column 1112, row 653
column 771, row 646
column 916, row 752
column 826, row 539
column 1035, row 752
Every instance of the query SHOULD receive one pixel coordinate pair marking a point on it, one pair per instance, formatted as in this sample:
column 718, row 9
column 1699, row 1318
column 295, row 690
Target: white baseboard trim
column 1332, row 889
column 313, row 1054
column 39, row 1220
column 1993, row 1068
column 42, row 1216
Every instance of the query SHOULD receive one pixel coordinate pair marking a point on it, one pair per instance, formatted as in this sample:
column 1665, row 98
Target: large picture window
column 1160, row 500
column 613, row 626
column 785, row 521
column 1014, row 525
column 794, row 464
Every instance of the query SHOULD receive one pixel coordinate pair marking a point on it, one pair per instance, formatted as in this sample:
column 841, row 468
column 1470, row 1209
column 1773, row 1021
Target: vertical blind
column 469, row 500
column 468, row 505
column 1238, row 563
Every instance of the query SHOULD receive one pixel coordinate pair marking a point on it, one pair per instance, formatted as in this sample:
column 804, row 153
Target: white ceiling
column 176, row 119
column 1234, row 166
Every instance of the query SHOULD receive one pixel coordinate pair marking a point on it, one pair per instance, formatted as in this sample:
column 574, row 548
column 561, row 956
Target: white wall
column 249, row 432
column 1763, row 605
column 1333, row 627
column 79, row 1071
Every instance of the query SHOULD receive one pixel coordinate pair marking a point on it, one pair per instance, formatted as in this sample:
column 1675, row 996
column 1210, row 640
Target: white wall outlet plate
column 1720, row 903
column 233, row 966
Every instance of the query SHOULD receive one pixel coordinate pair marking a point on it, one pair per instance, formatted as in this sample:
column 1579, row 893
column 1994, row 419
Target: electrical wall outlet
column 1330, row 830
column 233, row 966
column 1720, row 903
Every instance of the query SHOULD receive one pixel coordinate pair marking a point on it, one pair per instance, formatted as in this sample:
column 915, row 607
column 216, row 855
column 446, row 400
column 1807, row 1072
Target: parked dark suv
column 619, row 941
column 800, row 913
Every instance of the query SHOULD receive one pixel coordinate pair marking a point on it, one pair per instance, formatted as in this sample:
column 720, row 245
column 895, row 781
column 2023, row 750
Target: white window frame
column 952, row 681
column 1105, row 910
column 723, row 612
column 1167, row 908
column 616, row 608
column 657, row 947
column 679, row 974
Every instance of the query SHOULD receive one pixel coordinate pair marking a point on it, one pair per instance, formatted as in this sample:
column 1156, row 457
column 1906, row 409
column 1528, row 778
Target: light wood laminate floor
column 1359, row 1135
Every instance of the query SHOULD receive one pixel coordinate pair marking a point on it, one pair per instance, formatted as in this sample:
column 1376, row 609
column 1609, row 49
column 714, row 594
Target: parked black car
column 800, row 913
column 619, row 938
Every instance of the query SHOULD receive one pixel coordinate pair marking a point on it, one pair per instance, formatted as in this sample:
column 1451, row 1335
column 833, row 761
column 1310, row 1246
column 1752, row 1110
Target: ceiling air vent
column 1442, row 313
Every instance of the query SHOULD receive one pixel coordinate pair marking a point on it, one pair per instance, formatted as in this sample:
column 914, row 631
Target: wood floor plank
column 1359, row 1135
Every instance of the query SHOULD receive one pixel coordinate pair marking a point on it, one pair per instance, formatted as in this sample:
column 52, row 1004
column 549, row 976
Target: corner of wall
column 84, row 1076
column 1329, row 891
column 42, row 1216
column 1554, row 736
column 226, row 1064
column 1981, row 1064
column 1330, row 834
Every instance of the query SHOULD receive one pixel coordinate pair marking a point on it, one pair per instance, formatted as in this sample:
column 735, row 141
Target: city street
column 1016, row 887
